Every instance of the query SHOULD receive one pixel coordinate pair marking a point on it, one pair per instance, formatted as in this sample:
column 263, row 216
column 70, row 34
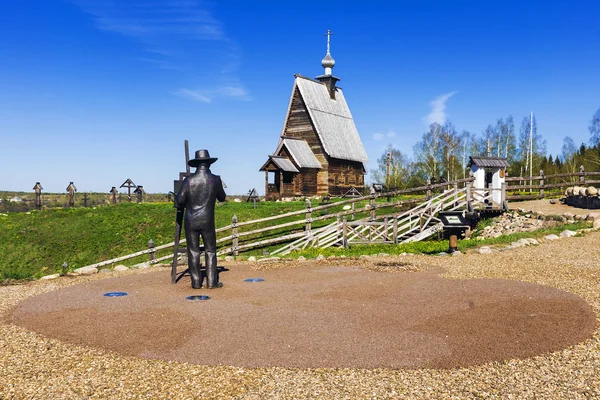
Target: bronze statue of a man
column 197, row 195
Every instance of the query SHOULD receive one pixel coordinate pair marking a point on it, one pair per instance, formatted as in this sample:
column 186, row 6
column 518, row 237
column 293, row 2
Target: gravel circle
column 33, row 366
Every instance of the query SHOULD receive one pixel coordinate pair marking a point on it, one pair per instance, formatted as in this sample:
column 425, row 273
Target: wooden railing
column 541, row 186
column 407, row 219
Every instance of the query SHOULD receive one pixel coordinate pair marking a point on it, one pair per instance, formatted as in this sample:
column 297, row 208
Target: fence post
column 308, row 217
column 468, row 199
column 541, row 183
column 503, row 196
column 372, row 204
column 455, row 194
column 385, row 229
column 395, row 230
column 345, row 232
column 234, row 235
column 152, row 251
column 428, row 189
column 582, row 176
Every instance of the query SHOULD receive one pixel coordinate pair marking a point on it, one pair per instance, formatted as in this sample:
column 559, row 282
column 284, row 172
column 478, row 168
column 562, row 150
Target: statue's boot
column 195, row 278
column 212, row 278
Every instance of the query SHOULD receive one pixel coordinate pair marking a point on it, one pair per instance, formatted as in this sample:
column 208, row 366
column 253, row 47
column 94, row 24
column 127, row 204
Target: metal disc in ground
column 115, row 294
column 197, row 297
column 254, row 280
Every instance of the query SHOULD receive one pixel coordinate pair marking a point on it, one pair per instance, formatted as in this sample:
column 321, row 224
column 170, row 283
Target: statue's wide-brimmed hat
column 201, row 157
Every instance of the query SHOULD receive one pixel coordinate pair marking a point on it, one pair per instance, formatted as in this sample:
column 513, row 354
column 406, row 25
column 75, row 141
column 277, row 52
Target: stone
column 252, row 259
column 567, row 233
column 485, row 250
column 269, row 259
column 121, row 268
column 442, row 254
column 596, row 224
column 236, row 200
column 229, row 258
column 105, row 271
column 403, row 254
column 532, row 241
column 320, row 257
column 383, row 255
column 364, row 257
column 524, row 242
column 85, row 271
column 331, row 257
column 551, row 237
column 301, row 258
column 456, row 253
column 49, row 277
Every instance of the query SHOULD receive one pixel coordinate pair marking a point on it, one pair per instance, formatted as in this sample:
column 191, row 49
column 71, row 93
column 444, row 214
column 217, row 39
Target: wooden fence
column 371, row 219
column 542, row 186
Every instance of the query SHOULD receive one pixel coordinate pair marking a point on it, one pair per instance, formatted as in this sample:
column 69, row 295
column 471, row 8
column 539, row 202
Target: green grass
column 38, row 243
column 435, row 246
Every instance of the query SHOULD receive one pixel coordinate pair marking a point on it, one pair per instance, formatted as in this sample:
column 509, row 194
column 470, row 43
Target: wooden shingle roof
column 332, row 120
column 300, row 151
column 489, row 162
column 282, row 163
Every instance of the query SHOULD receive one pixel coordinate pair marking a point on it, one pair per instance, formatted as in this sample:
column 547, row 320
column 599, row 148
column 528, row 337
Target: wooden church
column 319, row 151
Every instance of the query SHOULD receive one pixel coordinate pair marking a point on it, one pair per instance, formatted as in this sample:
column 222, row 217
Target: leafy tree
column 427, row 151
column 539, row 146
column 595, row 129
column 468, row 147
column 569, row 153
column 450, row 145
column 401, row 169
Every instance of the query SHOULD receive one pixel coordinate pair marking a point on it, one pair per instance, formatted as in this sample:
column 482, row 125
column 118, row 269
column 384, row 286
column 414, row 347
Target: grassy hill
column 37, row 243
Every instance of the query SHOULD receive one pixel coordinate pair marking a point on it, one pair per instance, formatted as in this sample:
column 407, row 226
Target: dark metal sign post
column 456, row 223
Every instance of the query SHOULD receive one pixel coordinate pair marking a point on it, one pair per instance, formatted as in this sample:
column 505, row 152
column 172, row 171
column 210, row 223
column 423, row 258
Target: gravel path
column 34, row 366
column 546, row 207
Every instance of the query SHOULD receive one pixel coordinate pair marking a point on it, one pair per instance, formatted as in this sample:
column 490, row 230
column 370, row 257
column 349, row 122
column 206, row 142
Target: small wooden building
column 319, row 151
column 489, row 173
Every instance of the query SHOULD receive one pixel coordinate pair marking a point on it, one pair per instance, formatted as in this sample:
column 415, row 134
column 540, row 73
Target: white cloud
column 438, row 109
column 207, row 96
column 381, row 136
column 195, row 95
column 177, row 35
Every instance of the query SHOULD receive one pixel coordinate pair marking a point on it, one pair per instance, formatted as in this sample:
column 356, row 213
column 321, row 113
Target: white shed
column 489, row 173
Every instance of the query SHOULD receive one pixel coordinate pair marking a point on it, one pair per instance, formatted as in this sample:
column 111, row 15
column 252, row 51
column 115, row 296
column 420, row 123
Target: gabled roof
column 282, row 163
column 490, row 162
column 332, row 120
column 300, row 152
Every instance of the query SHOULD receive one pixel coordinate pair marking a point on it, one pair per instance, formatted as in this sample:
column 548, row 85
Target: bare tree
column 595, row 129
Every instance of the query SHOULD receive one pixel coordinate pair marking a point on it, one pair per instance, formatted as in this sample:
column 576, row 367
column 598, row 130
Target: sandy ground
column 314, row 316
column 521, row 323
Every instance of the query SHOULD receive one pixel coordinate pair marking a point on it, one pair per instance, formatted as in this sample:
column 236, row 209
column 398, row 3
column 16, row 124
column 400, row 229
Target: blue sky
column 97, row 91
